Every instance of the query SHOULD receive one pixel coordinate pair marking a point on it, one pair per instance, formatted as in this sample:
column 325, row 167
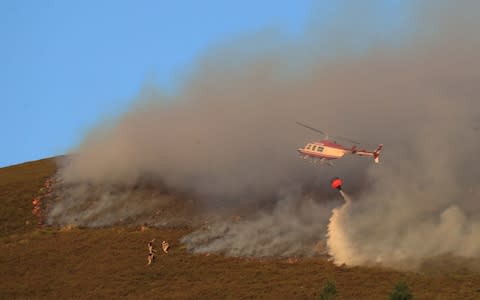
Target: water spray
column 337, row 242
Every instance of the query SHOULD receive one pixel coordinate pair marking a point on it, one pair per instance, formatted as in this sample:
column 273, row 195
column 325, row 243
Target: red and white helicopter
column 326, row 149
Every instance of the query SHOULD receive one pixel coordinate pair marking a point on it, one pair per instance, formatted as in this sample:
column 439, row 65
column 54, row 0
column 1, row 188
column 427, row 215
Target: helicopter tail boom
column 375, row 154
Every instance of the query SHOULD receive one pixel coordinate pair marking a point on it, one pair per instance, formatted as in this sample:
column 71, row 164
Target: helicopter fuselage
column 325, row 149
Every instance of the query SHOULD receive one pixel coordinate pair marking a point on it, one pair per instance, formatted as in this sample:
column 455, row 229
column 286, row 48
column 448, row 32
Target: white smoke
column 292, row 228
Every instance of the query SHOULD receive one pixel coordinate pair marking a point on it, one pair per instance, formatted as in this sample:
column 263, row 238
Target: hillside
column 50, row 262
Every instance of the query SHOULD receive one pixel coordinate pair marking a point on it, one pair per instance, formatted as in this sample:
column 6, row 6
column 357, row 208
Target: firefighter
column 151, row 252
column 165, row 247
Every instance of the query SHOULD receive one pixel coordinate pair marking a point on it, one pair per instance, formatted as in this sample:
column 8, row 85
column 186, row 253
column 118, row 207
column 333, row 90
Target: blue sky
column 67, row 65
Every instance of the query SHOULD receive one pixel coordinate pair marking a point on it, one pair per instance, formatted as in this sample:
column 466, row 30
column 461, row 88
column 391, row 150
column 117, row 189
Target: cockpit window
column 308, row 146
column 320, row 149
column 314, row 148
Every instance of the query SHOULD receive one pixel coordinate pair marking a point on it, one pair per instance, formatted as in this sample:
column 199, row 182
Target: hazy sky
column 67, row 65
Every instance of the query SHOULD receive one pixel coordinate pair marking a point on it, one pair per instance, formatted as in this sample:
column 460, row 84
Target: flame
column 45, row 192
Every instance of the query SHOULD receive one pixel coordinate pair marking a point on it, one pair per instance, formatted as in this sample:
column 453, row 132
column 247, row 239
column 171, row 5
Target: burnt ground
column 53, row 262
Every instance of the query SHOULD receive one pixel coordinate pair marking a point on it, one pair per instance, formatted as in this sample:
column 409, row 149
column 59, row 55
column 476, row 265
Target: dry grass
column 18, row 186
column 111, row 263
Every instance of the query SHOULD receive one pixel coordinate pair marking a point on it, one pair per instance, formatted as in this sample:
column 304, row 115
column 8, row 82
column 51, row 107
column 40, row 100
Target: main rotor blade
column 346, row 139
column 311, row 128
column 332, row 136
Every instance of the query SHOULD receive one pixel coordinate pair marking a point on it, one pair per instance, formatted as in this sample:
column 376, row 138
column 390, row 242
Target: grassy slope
column 110, row 262
column 18, row 186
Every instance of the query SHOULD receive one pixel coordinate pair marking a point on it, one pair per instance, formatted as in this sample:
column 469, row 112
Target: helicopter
column 326, row 150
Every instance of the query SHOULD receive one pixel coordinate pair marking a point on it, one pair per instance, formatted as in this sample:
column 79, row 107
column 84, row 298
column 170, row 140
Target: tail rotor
column 376, row 153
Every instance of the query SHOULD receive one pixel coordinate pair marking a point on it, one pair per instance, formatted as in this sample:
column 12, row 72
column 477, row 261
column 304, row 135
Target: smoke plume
column 227, row 139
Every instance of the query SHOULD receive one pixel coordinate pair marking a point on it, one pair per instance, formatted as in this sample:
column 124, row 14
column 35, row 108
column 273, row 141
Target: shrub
column 329, row 291
column 401, row 292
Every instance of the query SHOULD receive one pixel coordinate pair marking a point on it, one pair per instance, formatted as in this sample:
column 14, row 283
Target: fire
column 292, row 260
column 37, row 211
column 45, row 191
